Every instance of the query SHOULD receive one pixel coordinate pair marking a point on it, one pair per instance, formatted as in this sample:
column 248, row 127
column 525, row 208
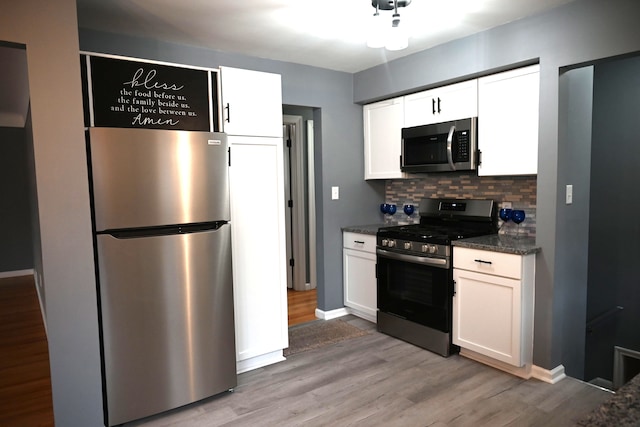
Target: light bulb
column 397, row 37
column 376, row 32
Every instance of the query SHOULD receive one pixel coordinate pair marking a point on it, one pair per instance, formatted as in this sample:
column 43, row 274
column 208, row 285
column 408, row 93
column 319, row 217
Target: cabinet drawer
column 360, row 242
column 496, row 263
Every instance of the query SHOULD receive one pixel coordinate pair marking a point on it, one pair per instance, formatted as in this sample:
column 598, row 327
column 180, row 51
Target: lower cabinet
column 493, row 308
column 359, row 274
column 258, row 250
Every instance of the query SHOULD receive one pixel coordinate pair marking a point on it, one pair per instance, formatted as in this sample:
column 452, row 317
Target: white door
column 487, row 315
column 452, row 102
column 251, row 102
column 383, row 123
column 508, row 122
column 258, row 245
column 360, row 290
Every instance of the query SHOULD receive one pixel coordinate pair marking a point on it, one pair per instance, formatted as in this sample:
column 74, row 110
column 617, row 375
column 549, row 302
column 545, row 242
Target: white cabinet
column 452, row 102
column 359, row 274
column 493, row 308
column 253, row 121
column 508, row 122
column 251, row 102
column 383, row 122
column 258, row 250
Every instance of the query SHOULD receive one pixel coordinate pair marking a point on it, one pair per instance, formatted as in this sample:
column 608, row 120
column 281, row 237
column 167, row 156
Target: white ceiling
column 318, row 33
column 313, row 32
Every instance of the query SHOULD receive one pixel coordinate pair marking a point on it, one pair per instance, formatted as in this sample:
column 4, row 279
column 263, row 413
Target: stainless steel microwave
column 440, row 147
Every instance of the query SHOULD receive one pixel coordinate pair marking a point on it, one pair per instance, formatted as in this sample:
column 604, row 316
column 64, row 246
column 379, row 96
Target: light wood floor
column 373, row 380
column 377, row 380
column 301, row 306
column 25, row 382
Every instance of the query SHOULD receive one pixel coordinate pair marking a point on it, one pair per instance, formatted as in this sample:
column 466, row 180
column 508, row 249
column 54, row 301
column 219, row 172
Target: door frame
column 301, row 216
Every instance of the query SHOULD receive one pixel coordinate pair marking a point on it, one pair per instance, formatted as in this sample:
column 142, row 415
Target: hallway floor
column 25, row 381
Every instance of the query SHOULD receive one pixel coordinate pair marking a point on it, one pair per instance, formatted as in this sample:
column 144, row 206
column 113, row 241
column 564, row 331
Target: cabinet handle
column 439, row 105
column 358, row 241
column 433, row 105
column 228, row 108
column 483, row 261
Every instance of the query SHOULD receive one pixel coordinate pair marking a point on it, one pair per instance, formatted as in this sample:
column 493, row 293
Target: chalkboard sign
column 132, row 94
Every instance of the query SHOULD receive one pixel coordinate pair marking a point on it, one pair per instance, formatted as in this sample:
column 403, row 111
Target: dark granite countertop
column 620, row 410
column 500, row 243
column 364, row 229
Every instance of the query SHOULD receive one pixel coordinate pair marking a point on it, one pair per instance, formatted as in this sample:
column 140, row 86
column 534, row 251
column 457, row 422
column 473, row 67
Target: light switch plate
column 569, row 194
column 335, row 193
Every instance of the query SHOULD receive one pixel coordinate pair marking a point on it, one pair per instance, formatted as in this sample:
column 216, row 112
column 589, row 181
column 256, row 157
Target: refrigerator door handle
column 132, row 233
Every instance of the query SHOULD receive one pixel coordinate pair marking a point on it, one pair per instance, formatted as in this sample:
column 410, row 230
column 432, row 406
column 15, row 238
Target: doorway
column 613, row 287
column 17, row 174
column 300, row 199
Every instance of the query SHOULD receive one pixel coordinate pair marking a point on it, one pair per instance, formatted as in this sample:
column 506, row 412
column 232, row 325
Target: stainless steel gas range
column 414, row 270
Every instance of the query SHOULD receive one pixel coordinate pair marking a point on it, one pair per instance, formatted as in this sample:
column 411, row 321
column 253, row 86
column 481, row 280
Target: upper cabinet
column 251, row 102
column 508, row 122
column 452, row 102
column 506, row 105
column 382, row 124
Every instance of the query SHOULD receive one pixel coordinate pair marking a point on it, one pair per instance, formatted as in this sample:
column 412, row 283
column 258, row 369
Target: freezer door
column 150, row 177
column 167, row 321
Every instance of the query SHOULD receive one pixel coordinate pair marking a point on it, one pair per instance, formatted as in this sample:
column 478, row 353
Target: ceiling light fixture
column 391, row 35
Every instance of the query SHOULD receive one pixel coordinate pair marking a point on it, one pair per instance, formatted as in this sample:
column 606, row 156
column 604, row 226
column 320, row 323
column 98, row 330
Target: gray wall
column 63, row 243
column 16, row 252
column 577, row 33
column 614, row 229
column 574, row 153
column 339, row 139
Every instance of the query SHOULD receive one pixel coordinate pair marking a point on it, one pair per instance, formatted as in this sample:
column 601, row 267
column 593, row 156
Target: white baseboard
column 259, row 361
column 528, row 371
column 328, row 315
column 362, row 314
column 522, row 371
column 548, row 376
column 16, row 273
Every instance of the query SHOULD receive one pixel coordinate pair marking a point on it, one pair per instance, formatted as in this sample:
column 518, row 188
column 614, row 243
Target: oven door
column 415, row 288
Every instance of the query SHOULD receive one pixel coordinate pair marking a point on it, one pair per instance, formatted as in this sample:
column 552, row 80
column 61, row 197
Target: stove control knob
column 385, row 242
column 391, row 243
column 407, row 245
column 424, row 248
column 433, row 249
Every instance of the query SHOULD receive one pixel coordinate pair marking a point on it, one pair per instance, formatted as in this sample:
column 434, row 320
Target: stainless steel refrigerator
column 163, row 245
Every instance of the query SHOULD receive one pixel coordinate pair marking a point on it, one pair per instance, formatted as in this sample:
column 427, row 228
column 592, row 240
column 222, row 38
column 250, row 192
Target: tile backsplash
column 519, row 190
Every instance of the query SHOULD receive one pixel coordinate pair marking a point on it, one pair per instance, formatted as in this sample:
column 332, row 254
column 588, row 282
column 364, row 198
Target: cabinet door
column 452, row 102
column 258, row 245
column 251, row 102
column 383, row 123
column 508, row 122
column 359, row 269
column 487, row 315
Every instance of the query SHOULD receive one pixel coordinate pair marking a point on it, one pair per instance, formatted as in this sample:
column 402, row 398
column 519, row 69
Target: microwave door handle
column 452, row 130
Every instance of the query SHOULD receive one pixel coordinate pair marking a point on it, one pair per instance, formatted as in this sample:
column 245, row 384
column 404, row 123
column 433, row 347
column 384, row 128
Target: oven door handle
column 434, row 262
